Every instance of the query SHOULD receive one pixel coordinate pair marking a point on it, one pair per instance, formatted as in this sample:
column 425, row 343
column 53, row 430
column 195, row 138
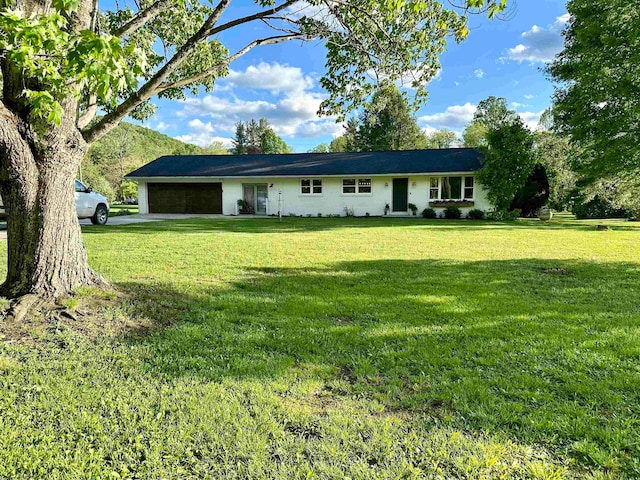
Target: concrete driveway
column 128, row 220
column 152, row 217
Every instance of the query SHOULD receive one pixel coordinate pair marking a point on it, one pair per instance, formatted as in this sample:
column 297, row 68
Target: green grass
column 341, row 348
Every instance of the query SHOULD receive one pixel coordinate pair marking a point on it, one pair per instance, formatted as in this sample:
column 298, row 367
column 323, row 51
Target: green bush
column 597, row 208
column 452, row 213
column 476, row 214
column 429, row 213
column 502, row 215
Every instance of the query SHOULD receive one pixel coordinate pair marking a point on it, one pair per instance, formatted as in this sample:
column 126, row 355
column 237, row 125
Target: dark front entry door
column 400, row 194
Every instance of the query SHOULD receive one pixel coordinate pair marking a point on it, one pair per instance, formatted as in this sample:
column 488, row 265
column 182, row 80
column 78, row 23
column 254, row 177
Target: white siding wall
column 331, row 201
column 143, row 198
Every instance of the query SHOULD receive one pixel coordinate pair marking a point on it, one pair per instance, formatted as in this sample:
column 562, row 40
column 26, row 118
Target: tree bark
column 46, row 254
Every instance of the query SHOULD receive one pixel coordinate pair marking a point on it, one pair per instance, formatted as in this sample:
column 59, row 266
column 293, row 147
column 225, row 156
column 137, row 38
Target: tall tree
column 441, row 139
column 60, row 65
column 254, row 137
column 240, row 140
column 388, row 123
column 475, row 134
column 509, row 159
column 597, row 102
column 338, row 144
column 556, row 153
column 493, row 113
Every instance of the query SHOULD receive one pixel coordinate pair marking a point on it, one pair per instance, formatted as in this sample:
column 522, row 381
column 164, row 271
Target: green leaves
column 43, row 105
column 369, row 41
column 58, row 64
column 597, row 101
column 509, row 160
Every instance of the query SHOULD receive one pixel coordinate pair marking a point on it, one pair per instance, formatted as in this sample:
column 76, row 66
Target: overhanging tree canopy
column 62, row 60
column 597, row 100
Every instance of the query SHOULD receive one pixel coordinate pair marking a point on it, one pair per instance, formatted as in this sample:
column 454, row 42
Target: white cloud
column 478, row 73
column 529, row 97
column 161, row 126
column 539, row 44
column 199, row 126
column 454, row 117
column 274, row 77
column 291, row 108
column 317, row 129
column 518, row 105
column 531, row 119
column 429, row 130
column 287, row 115
column 204, row 139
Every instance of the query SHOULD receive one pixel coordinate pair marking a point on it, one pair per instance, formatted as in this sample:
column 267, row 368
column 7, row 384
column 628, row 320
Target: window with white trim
column 364, row 185
column 451, row 188
column 468, row 187
column 356, row 185
column 434, row 188
column 311, row 186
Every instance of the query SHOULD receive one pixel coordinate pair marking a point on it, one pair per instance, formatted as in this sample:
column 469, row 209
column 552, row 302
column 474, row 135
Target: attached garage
column 185, row 197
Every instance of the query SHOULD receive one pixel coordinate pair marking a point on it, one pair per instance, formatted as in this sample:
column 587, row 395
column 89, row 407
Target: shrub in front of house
column 501, row 216
column 452, row 213
column 476, row 214
column 429, row 213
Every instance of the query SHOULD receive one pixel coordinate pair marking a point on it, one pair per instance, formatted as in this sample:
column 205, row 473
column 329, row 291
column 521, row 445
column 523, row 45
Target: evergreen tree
column 255, row 137
column 240, row 141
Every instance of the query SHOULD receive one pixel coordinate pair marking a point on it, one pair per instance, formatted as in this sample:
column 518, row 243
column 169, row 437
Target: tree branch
column 155, row 84
column 89, row 114
column 142, row 17
column 150, row 88
column 235, row 56
column 251, row 18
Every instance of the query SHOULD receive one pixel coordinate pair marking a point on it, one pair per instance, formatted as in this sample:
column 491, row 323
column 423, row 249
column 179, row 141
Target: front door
column 400, row 194
column 256, row 196
column 262, row 194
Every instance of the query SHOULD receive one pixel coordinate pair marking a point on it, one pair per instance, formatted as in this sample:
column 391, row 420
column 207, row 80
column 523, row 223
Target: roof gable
column 314, row 164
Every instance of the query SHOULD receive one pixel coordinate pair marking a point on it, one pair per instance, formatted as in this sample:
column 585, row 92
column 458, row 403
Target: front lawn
column 339, row 348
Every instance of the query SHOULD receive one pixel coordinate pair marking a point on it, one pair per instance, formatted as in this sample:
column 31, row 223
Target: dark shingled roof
column 313, row 164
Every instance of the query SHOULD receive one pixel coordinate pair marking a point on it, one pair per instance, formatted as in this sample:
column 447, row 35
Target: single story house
column 374, row 183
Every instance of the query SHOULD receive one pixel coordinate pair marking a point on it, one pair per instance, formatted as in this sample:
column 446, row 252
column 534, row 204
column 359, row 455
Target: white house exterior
column 313, row 184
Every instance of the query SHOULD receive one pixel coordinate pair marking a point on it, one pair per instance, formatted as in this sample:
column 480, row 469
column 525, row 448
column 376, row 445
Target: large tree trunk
column 38, row 163
column 46, row 254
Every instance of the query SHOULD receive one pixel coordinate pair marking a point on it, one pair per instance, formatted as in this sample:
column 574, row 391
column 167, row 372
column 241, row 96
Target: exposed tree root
column 90, row 313
column 23, row 306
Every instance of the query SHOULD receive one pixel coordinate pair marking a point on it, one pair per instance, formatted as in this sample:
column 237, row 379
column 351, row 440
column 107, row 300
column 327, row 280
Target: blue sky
column 280, row 82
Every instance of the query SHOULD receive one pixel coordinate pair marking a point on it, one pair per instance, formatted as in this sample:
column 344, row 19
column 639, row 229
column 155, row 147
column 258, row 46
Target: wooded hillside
column 124, row 149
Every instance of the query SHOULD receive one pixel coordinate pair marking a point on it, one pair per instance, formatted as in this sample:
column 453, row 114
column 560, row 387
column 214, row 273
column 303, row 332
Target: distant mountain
column 139, row 145
column 124, row 149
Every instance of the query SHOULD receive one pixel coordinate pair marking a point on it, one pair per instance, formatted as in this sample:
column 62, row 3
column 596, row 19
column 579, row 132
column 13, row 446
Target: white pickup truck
column 89, row 204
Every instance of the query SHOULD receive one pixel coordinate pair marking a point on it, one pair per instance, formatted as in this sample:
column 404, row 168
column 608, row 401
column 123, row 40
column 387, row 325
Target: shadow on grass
column 289, row 225
column 546, row 350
